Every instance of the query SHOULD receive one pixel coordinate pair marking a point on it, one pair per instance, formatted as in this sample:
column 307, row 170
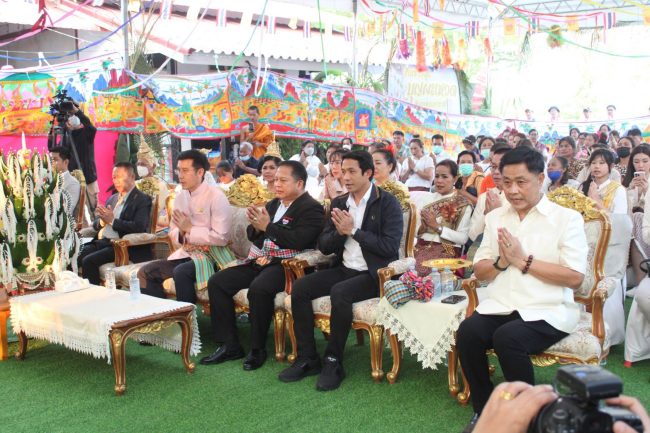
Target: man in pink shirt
column 199, row 227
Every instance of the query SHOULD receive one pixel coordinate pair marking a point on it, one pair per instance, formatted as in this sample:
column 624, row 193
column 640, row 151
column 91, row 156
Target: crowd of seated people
column 491, row 196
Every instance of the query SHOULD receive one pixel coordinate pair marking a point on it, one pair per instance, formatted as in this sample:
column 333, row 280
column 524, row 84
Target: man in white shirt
column 438, row 148
column 489, row 200
column 60, row 160
column 533, row 255
column 364, row 232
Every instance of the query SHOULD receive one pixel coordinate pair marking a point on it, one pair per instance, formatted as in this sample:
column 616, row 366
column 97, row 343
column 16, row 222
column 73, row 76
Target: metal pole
column 124, row 8
column 354, row 42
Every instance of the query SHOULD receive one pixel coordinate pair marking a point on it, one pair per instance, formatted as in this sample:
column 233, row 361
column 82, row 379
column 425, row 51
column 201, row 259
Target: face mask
column 466, row 169
column 485, row 153
column 245, row 158
column 554, row 175
column 309, row 151
column 74, row 121
column 346, row 147
column 437, row 150
column 623, row 152
column 142, row 171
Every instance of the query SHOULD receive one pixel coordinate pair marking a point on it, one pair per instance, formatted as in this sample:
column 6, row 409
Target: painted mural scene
column 341, row 215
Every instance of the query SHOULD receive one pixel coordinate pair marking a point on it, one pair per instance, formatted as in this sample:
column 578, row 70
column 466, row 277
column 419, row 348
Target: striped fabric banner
column 306, row 30
column 347, row 33
column 166, row 9
column 473, row 28
column 610, row 20
column 534, row 25
column 221, row 17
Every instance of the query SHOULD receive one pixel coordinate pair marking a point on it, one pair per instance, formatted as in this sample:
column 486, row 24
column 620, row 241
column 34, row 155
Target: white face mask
column 74, row 121
column 142, row 171
column 347, row 147
column 309, row 151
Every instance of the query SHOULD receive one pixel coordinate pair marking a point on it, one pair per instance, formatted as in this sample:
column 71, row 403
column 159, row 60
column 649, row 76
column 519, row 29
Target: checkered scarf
column 269, row 249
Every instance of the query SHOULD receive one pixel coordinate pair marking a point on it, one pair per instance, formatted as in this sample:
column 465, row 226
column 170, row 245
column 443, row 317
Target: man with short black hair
column 127, row 211
column 438, row 149
column 533, row 256
column 199, row 229
column 364, row 232
column 288, row 224
column 60, row 161
column 635, row 133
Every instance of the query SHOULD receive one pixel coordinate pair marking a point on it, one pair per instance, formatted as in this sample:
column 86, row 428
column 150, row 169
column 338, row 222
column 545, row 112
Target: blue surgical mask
column 437, row 150
column 554, row 175
column 466, row 169
column 245, row 158
column 485, row 153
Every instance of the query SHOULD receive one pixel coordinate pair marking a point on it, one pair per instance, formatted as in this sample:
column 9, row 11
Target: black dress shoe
column 301, row 368
column 331, row 376
column 472, row 423
column 222, row 354
column 255, row 359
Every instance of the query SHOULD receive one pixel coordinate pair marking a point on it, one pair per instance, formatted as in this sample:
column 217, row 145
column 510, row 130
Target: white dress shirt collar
column 364, row 200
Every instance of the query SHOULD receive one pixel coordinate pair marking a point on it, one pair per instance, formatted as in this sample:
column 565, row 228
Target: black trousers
column 263, row 284
column 513, row 340
column 345, row 287
column 182, row 270
column 94, row 254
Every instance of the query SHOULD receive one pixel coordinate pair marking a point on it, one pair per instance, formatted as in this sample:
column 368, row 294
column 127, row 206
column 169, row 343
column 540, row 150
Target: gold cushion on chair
column 241, row 298
column 581, row 344
column 363, row 311
column 170, row 290
column 139, row 237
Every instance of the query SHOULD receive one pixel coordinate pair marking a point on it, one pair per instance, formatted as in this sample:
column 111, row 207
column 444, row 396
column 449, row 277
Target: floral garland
column 248, row 191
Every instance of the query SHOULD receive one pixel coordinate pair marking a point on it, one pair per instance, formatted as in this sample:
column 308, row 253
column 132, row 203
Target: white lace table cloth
column 425, row 328
column 82, row 320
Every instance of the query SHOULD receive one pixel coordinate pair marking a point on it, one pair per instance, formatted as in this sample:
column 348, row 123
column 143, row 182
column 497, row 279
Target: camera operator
column 513, row 405
column 81, row 132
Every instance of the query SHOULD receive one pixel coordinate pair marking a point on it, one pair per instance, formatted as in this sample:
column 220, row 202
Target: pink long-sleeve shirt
column 211, row 218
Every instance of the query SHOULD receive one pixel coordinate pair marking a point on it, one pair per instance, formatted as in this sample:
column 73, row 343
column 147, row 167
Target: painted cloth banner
column 215, row 105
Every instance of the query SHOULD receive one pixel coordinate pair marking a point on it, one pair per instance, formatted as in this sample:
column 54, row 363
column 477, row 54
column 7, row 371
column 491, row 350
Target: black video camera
column 579, row 408
column 61, row 108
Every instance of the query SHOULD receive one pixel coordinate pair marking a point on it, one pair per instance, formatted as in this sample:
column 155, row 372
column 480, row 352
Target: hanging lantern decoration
column 555, row 39
column 437, row 58
column 446, row 53
column 420, row 60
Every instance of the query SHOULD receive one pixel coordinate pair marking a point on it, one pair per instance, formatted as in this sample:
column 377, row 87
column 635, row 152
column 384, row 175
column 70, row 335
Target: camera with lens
column 61, row 108
column 580, row 408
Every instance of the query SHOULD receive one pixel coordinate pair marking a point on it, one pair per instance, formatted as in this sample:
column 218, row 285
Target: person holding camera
column 80, row 132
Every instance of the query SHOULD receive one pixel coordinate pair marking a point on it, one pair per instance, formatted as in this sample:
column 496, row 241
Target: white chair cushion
column 315, row 257
column 241, row 298
column 238, row 238
column 170, row 289
column 581, row 343
column 364, row 311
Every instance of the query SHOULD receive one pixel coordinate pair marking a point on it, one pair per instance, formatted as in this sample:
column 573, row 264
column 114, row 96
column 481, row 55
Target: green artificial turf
column 57, row 390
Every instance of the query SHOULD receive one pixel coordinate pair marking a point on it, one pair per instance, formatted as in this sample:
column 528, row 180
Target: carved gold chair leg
column 463, row 396
column 278, row 334
column 186, row 328
column 376, row 333
column 118, row 340
column 292, row 337
column 360, row 341
column 453, row 368
column 396, row 351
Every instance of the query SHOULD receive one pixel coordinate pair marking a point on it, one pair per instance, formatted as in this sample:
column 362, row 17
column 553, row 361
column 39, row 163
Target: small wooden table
column 74, row 306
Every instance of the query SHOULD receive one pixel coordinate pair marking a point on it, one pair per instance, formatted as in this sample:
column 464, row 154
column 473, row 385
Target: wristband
column 529, row 261
column 496, row 265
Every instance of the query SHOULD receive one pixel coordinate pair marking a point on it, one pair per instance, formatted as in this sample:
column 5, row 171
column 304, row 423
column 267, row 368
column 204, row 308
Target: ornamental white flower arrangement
column 37, row 237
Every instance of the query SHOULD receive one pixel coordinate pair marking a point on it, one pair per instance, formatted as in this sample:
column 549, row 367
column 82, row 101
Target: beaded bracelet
column 529, row 261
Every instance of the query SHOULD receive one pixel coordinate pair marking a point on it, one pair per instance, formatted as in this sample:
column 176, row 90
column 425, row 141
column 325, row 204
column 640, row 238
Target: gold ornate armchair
column 81, row 204
column 588, row 343
column 363, row 313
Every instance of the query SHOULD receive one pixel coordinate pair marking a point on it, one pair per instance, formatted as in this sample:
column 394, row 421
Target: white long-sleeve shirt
column 459, row 236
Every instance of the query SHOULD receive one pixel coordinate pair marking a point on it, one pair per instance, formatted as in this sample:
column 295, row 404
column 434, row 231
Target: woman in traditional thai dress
column 609, row 195
column 444, row 222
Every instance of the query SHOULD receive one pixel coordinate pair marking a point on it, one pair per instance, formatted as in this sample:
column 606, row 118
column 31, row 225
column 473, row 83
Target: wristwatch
column 496, row 265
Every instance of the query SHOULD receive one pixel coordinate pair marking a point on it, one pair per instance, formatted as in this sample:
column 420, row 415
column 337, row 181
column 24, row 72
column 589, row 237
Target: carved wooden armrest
column 470, row 286
column 604, row 290
column 288, row 274
column 310, row 259
column 397, row 267
column 121, row 246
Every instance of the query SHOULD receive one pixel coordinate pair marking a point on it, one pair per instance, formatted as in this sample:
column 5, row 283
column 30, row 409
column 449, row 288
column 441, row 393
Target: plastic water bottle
column 447, row 279
column 436, row 282
column 110, row 280
column 134, row 286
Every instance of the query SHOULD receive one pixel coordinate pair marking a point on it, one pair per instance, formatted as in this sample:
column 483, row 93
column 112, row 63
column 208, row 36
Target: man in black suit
column 364, row 231
column 127, row 211
column 288, row 224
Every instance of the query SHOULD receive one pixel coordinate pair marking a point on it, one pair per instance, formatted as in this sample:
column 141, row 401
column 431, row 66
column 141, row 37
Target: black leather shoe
column 301, row 368
column 255, row 359
column 472, row 423
column 222, row 354
column 331, row 376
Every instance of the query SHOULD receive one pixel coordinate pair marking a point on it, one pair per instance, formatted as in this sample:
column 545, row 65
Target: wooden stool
column 4, row 351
